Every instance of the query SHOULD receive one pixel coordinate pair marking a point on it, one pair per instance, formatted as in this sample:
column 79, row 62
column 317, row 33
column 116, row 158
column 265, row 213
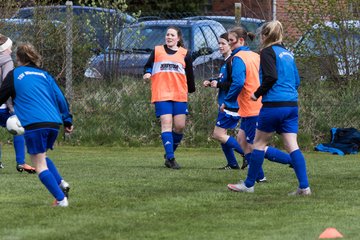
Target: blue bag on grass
column 343, row 141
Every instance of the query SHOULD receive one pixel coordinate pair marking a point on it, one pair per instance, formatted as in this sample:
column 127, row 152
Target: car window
column 199, row 40
column 250, row 26
column 247, row 25
column 17, row 31
column 24, row 13
column 145, row 38
column 20, row 30
column 89, row 21
column 210, row 37
column 227, row 23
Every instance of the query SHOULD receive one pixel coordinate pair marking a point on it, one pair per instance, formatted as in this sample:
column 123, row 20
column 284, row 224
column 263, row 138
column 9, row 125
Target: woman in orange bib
column 170, row 70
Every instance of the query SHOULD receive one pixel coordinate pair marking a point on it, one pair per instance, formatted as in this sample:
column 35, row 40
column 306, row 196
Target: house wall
column 249, row 8
column 262, row 9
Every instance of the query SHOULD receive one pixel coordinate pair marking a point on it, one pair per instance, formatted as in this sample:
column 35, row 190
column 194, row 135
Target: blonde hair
column 271, row 33
column 27, row 54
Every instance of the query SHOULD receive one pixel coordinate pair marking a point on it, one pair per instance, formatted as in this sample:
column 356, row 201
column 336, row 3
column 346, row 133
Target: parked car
column 16, row 29
column 249, row 24
column 92, row 21
column 329, row 50
column 19, row 29
column 134, row 44
column 28, row 30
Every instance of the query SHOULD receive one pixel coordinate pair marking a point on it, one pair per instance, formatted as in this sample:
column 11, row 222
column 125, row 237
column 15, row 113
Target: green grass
column 126, row 193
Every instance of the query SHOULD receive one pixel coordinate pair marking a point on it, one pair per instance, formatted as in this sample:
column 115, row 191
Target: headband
column 6, row 45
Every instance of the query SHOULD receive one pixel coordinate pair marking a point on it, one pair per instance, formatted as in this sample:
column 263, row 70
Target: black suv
column 133, row 45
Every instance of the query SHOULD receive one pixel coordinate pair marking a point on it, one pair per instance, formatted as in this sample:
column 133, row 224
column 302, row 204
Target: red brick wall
column 249, row 8
column 282, row 15
column 258, row 9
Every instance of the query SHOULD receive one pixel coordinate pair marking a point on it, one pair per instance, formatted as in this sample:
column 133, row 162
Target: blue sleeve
column 297, row 77
column 238, row 79
column 62, row 104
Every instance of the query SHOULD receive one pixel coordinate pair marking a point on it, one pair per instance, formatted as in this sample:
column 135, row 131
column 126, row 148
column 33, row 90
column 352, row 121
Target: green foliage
column 49, row 38
column 327, row 52
column 7, row 8
column 127, row 193
column 117, row 110
column 115, row 113
column 120, row 113
column 327, row 104
column 113, row 24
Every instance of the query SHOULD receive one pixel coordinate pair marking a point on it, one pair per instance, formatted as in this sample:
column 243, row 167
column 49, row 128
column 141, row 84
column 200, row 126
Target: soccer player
column 7, row 109
column 227, row 119
column 279, row 113
column 245, row 72
column 41, row 108
column 171, row 72
column 246, row 68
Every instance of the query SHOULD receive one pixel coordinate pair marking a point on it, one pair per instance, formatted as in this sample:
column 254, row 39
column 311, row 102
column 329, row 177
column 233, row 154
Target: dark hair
column 27, row 54
column 178, row 30
column 225, row 36
column 240, row 32
column 3, row 39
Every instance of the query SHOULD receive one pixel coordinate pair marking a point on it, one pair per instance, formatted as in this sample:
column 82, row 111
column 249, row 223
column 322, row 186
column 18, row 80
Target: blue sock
column 52, row 168
column 298, row 162
column 19, row 147
column 168, row 143
column 257, row 159
column 231, row 142
column 230, row 156
column 177, row 137
column 275, row 155
column 261, row 173
column 49, row 181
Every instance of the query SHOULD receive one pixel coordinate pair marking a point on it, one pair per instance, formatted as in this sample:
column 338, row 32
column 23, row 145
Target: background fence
column 116, row 110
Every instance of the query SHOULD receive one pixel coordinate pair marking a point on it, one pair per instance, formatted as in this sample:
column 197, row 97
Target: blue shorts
column 248, row 125
column 40, row 140
column 171, row 107
column 279, row 119
column 4, row 115
column 226, row 120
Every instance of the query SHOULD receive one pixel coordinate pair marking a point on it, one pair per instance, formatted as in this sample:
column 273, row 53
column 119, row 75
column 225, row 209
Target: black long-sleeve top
column 268, row 70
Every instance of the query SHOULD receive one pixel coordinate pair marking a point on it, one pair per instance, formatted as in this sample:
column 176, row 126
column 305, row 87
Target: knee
column 166, row 125
column 259, row 145
column 217, row 135
column 290, row 147
column 179, row 128
column 287, row 148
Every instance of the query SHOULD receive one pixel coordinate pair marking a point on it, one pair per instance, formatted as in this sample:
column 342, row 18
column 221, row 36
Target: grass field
column 126, row 193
